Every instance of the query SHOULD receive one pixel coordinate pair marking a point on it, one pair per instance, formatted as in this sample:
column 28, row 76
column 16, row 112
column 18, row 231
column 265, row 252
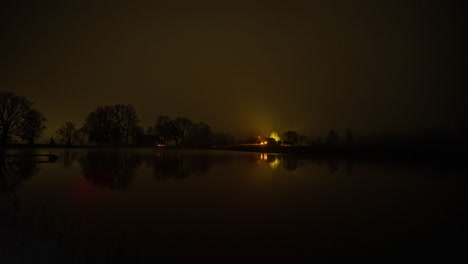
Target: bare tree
column 291, row 137
column 201, row 135
column 182, row 128
column 98, row 126
column 332, row 137
column 164, row 128
column 130, row 123
column 32, row 127
column 18, row 118
column 112, row 124
column 68, row 133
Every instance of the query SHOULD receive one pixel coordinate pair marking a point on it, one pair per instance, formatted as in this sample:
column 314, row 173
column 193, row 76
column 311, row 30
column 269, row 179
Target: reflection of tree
column 68, row 158
column 290, row 163
column 272, row 160
column 181, row 165
column 110, row 168
column 12, row 174
column 333, row 165
column 293, row 162
column 349, row 167
column 165, row 166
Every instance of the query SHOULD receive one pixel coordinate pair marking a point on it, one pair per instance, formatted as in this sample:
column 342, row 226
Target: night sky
column 242, row 66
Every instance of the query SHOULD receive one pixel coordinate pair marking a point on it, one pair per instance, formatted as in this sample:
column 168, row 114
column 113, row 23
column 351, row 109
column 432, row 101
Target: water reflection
column 111, row 169
column 292, row 162
column 272, row 159
column 302, row 205
column 289, row 163
column 68, row 158
column 12, row 174
column 181, row 165
column 114, row 169
column 333, row 165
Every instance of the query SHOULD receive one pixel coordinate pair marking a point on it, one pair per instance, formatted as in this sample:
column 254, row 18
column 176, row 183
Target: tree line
column 108, row 125
column 118, row 125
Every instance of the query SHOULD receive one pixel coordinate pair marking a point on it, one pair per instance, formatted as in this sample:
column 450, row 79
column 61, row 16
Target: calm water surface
column 113, row 204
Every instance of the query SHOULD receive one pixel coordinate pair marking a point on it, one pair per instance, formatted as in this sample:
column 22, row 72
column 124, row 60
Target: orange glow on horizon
column 275, row 136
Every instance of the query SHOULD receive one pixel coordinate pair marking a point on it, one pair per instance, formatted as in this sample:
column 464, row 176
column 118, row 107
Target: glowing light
column 274, row 164
column 275, row 136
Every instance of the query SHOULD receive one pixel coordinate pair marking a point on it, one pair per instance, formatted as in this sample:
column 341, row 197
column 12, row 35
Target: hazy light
column 275, row 136
column 275, row 163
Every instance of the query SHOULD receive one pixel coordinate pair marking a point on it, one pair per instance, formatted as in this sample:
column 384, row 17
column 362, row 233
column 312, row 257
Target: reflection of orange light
column 264, row 156
column 274, row 164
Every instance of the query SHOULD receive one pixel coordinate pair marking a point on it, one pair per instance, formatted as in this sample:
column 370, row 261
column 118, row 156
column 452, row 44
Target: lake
column 132, row 205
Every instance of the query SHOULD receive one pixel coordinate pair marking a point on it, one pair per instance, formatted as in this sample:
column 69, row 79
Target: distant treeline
column 119, row 125
column 109, row 125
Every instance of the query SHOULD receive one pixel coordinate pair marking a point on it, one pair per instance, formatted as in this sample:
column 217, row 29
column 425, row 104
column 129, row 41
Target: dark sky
column 241, row 66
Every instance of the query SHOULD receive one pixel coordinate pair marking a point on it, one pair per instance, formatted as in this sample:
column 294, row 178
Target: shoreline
column 386, row 151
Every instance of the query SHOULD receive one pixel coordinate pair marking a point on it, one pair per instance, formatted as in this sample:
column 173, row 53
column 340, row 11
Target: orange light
column 275, row 136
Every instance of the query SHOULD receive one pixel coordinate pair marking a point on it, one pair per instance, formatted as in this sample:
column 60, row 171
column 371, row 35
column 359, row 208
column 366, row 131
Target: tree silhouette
column 111, row 124
column 97, row 126
column 182, row 127
column 332, row 137
column 224, row 138
column 18, row 118
column 124, row 123
column 291, row 137
column 164, row 128
column 201, row 135
column 32, row 127
column 68, row 133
